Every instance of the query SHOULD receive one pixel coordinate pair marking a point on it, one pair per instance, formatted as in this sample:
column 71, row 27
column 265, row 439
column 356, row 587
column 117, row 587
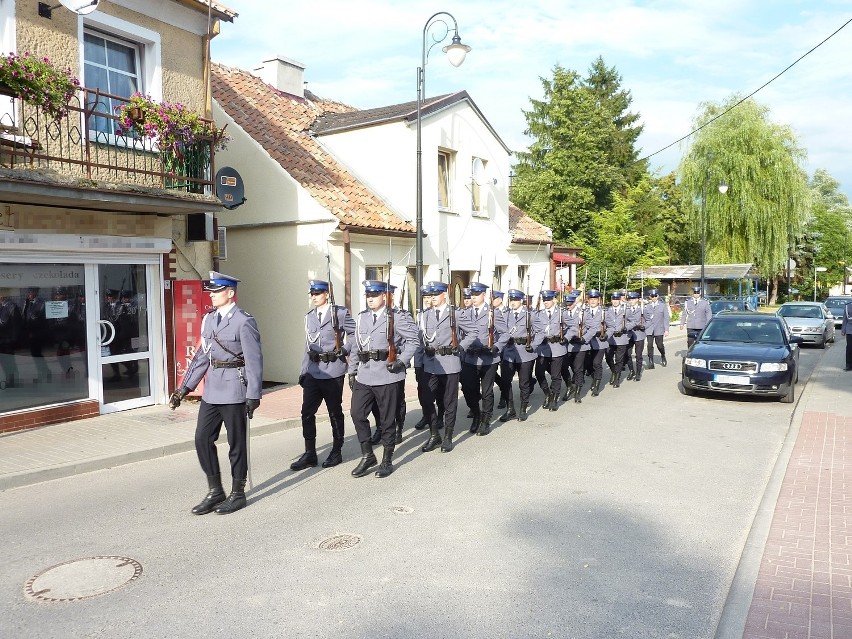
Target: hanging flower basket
column 173, row 126
column 37, row 81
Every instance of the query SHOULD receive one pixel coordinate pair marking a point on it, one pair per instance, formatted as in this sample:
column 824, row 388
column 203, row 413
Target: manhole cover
column 340, row 542
column 402, row 510
column 82, row 578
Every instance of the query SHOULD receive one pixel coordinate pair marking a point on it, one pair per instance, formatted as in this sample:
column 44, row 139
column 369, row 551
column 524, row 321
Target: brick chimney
column 284, row 74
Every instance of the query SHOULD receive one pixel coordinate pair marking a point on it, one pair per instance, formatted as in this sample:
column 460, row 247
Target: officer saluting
column 696, row 315
column 231, row 363
column 375, row 370
column 327, row 330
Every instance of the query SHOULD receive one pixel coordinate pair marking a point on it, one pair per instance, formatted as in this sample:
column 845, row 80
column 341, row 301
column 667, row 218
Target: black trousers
column 477, row 384
column 691, row 336
column 315, row 392
column 595, row 362
column 638, row 347
column 615, row 357
column 385, row 398
column 525, row 379
column 658, row 340
column 422, row 379
column 574, row 367
column 848, row 350
column 552, row 365
column 444, row 390
column 207, row 429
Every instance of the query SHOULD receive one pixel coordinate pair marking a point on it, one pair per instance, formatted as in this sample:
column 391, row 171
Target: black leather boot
column 368, row 460
column 617, row 381
column 214, row 496
column 509, row 414
column 235, row 501
column 596, row 387
column 335, row 457
column 308, row 458
column 423, row 423
column 376, row 437
column 631, row 373
column 548, row 396
column 554, row 401
column 484, row 424
column 474, row 426
column 398, row 439
column 525, row 406
column 434, row 437
column 470, row 413
column 650, row 362
column 638, row 373
column 663, row 360
column 447, row 443
column 577, row 399
column 502, row 403
column 386, row 467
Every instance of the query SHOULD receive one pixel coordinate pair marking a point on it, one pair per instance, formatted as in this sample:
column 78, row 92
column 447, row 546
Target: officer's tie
column 375, row 316
column 218, row 318
column 319, row 316
column 437, row 315
column 476, row 312
column 516, row 316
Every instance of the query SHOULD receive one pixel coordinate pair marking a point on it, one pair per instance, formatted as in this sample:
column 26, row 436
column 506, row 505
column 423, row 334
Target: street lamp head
column 456, row 51
column 723, row 187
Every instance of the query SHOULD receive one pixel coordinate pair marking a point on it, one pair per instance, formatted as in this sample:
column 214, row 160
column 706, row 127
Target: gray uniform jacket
column 477, row 353
column 636, row 318
column 696, row 315
column 592, row 321
column 846, row 324
column 582, row 335
column 658, row 316
column 237, row 332
column 436, row 335
column 371, row 341
column 547, row 332
column 516, row 326
column 320, row 343
column 618, row 325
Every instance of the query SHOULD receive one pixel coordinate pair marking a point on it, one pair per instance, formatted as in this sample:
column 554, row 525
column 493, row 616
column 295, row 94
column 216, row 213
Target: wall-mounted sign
column 229, row 187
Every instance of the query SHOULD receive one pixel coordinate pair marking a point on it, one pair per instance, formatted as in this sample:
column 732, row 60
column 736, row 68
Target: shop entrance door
column 124, row 344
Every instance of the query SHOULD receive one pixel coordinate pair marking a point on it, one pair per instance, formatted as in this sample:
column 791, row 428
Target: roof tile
column 526, row 229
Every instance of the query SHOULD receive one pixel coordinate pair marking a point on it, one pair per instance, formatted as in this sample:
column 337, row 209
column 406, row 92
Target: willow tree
column 768, row 199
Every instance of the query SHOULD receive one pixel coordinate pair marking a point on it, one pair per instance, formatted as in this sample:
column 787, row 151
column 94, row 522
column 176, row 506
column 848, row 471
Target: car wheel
column 822, row 343
column 686, row 390
column 790, row 397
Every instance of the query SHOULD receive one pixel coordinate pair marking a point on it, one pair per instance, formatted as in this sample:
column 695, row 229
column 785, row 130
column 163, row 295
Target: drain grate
column 402, row 510
column 340, row 542
column 82, row 578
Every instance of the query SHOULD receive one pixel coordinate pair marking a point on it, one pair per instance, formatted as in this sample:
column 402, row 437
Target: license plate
column 742, row 380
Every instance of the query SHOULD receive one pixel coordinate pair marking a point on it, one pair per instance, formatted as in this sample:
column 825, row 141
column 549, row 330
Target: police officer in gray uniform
column 594, row 322
column 574, row 360
column 551, row 333
column 618, row 328
column 658, row 317
column 695, row 316
column 328, row 328
column 846, row 331
column 480, row 359
column 441, row 363
column 518, row 356
column 375, row 372
column 231, row 363
column 636, row 319
column 420, row 377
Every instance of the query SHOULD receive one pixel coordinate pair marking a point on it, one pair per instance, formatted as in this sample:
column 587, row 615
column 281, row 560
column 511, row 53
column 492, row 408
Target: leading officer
column 695, row 316
column 231, row 363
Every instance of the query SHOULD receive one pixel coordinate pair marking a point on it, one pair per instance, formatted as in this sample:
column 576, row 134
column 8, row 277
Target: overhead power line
column 762, row 86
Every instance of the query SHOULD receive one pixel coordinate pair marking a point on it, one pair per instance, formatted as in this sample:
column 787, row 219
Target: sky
column 672, row 56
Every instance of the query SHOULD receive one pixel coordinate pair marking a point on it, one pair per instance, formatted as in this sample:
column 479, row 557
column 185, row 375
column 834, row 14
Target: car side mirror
column 796, row 339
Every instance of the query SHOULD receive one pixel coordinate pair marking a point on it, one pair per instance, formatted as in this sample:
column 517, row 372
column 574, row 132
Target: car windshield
column 717, row 307
column 837, row 304
column 812, row 312
column 741, row 330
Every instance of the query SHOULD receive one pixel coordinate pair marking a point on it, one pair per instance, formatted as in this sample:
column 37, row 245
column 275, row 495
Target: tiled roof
column 281, row 123
column 525, row 229
column 218, row 9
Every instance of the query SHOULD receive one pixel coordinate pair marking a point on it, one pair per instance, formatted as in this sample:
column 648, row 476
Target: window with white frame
column 376, row 273
column 445, row 164
column 112, row 66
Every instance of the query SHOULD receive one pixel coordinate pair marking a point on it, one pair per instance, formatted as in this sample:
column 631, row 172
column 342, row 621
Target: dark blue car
column 746, row 354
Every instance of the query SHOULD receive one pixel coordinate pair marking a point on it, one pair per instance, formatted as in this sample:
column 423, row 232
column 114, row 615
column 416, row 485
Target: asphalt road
column 623, row 516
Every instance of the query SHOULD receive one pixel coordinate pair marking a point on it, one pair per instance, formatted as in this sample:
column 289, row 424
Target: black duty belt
column 326, row 357
column 521, row 341
column 553, row 339
column 441, row 350
column 479, row 351
column 376, row 355
column 215, row 363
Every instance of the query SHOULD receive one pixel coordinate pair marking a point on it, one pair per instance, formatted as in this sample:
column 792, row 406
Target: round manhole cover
column 340, row 542
column 402, row 510
column 82, row 578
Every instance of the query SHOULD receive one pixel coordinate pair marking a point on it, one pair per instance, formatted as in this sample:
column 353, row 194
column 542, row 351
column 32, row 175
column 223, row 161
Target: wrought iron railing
column 85, row 143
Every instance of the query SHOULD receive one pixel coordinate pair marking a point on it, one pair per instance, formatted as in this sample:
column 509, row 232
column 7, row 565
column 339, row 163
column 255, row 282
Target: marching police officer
column 518, row 355
column 594, row 323
column 231, row 363
column 445, row 332
column 636, row 319
column 551, row 333
column 481, row 357
column 846, row 331
column 328, row 328
column 375, row 370
column 618, row 329
column 497, row 304
column 420, row 377
column 658, row 316
column 574, row 362
column 695, row 316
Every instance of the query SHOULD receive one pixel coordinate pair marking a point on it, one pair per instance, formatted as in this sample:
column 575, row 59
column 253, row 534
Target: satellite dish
column 230, row 188
column 479, row 172
column 80, row 7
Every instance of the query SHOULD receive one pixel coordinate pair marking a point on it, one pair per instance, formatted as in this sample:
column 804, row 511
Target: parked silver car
column 811, row 320
column 837, row 306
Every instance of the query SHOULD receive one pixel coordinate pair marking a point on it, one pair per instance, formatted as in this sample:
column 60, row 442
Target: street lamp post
column 817, row 269
column 723, row 188
column 456, row 52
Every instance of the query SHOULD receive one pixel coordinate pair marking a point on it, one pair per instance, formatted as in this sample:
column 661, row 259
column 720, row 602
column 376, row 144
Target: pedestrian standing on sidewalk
column 846, row 330
column 231, row 363
column 658, row 316
column 328, row 328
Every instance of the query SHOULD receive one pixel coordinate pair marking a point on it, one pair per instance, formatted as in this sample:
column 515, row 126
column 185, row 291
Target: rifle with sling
column 602, row 334
column 389, row 309
column 529, row 315
column 335, row 321
column 454, row 338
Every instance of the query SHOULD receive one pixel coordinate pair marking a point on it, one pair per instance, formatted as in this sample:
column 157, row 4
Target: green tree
column 827, row 232
column 768, row 198
column 582, row 151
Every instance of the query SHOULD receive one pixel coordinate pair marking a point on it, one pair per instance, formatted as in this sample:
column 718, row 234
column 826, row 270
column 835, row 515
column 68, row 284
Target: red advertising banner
column 191, row 303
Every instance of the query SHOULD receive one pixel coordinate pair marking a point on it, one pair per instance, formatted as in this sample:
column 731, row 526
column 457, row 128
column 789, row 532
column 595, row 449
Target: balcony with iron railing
column 85, row 145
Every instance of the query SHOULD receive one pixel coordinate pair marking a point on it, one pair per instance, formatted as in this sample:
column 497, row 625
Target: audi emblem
column 732, row 366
